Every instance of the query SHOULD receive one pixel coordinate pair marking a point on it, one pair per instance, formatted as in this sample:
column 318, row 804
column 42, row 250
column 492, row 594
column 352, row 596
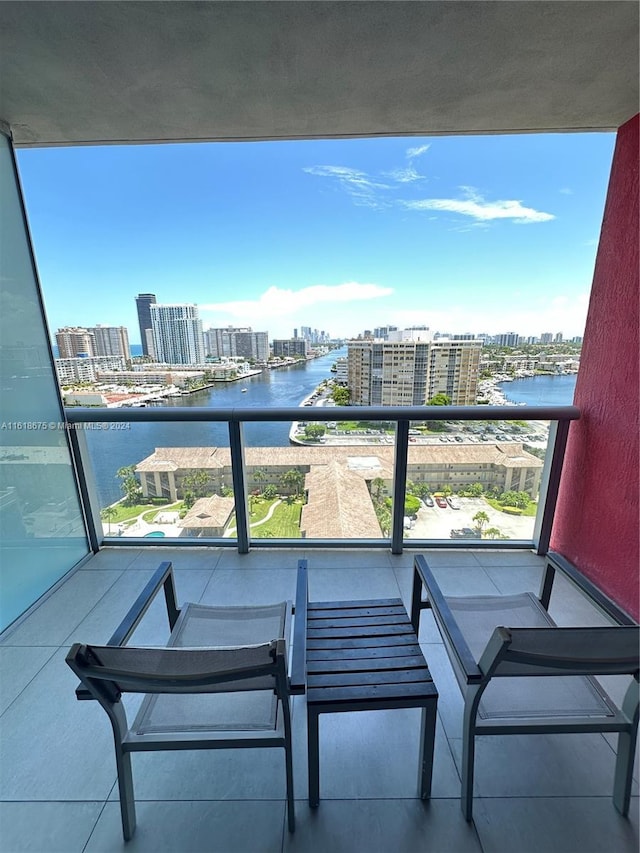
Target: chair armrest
column 298, row 680
column 162, row 577
column 609, row 608
column 451, row 633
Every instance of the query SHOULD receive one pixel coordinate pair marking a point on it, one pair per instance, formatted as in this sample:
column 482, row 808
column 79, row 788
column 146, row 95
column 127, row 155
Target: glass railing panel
column 474, row 480
column 161, row 480
column 319, row 485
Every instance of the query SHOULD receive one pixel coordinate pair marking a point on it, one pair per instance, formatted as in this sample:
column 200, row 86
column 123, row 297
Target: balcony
column 548, row 794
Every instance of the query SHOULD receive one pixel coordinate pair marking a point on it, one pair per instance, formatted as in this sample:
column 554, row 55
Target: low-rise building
column 494, row 466
column 70, row 370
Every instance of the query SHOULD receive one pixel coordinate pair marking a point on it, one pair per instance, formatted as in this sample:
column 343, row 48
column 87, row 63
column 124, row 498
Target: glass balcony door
column 42, row 530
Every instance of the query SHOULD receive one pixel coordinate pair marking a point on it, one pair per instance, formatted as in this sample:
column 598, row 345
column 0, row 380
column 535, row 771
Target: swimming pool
column 155, row 534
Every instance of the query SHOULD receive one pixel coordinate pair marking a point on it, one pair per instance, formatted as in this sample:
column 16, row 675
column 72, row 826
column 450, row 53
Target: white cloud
column 405, row 176
column 335, row 308
column 417, row 152
column 566, row 191
column 475, row 206
column 358, row 184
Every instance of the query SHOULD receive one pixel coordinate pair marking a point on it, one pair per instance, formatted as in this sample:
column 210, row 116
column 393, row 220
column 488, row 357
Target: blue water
column 155, row 534
column 111, row 449
column 541, row 390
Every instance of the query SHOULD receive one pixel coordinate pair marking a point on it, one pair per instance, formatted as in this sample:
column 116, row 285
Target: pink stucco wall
column 596, row 524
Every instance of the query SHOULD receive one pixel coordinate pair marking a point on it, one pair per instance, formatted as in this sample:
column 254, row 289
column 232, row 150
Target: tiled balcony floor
column 57, row 772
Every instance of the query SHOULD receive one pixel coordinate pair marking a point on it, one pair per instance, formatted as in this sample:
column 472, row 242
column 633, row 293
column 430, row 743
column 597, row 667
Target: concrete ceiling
column 111, row 72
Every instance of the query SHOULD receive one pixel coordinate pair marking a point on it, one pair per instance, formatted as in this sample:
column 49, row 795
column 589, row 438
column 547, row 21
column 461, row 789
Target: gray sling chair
column 533, row 677
column 220, row 683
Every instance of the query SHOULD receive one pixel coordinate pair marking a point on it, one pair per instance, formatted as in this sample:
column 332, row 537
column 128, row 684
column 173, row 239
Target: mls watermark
column 60, row 426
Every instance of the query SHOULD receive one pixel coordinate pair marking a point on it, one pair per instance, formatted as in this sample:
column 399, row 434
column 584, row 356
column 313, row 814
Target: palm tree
column 108, row 514
column 493, row 533
column 481, row 518
column 292, row 480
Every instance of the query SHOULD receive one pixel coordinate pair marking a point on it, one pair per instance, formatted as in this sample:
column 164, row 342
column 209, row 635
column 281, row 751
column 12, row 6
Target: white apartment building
column 231, row 342
column 177, row 334
column 410, row 372
column 110, row 340
column 72, row 370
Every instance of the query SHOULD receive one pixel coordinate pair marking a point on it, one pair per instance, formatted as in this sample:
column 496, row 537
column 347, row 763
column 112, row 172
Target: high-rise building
column 558, row 338
column 290, row 347
column 546, row 338
column 110, row 340
column 177, row 334
column 143, row 301
column 74, row 341
column 411, row 372
column 233, row 342
column 509, row 339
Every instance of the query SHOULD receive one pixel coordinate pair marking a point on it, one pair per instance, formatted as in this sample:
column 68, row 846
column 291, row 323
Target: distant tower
column 143, row 301
column 177, row 334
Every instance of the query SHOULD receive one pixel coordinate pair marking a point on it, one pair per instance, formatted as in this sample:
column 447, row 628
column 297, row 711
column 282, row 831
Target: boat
column 243, row 390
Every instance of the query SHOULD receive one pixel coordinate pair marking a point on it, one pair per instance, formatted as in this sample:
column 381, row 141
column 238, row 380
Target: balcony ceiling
column 111, row 72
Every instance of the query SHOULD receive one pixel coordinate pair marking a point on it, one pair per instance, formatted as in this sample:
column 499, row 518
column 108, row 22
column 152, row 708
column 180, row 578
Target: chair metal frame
column 608, row 650
column 200, row 670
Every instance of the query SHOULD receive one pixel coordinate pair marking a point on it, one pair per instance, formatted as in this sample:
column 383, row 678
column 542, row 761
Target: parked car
column 463, row 533
column 459, row 438
column 428, row 500
column 453, row 503
column 441, row 502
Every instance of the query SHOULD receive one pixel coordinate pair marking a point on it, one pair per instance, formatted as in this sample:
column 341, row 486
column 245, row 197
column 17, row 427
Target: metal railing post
column 550, row 484
column 399, row 486
column 239, row 489
column 87, row 485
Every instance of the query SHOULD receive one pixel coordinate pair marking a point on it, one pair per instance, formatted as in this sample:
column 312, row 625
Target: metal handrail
column 323, row 413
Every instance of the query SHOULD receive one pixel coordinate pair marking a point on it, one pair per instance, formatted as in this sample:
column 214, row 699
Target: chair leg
column 472, row 701
column 427, row 742
column 125, row 788
column 288, row 759
column 313, row 752
column 624, row 771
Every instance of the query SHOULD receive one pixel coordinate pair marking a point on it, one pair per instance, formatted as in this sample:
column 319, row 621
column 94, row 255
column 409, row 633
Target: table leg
column 427, row 741
column 313, row 750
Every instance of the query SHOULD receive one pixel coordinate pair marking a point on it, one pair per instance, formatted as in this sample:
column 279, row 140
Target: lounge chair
column 519, row 673
column 220, row 683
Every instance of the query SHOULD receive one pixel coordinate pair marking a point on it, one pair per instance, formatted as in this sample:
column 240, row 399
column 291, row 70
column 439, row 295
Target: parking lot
column 436, row 523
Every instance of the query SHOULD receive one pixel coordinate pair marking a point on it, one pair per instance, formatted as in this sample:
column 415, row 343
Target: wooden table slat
column 367, row 679
column 356, row 621
column 401, row 693
column 363, row 654
column 347, row 612
column 373, row 602
column 315, row 667
column 360, row 642
column 359, row 631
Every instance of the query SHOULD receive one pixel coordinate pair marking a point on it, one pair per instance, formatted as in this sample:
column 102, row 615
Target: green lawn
column 125, row 513
column 283, row 524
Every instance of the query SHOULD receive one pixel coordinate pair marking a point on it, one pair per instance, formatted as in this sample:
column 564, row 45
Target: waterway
column 286, row 386
column 541, row 390
column 113, row 449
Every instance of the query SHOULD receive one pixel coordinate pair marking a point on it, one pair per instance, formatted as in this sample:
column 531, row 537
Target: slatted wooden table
column 365, row 656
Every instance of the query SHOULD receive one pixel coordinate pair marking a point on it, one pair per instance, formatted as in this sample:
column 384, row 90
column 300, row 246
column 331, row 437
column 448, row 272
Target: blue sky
column 463, row 234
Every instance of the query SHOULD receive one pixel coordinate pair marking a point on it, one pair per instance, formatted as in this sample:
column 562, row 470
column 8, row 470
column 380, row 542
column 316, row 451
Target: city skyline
column 462, row 234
